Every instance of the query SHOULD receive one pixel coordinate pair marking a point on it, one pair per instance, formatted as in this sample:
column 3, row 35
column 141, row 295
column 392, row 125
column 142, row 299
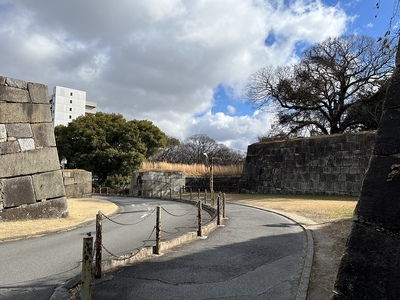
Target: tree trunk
column 370, row 267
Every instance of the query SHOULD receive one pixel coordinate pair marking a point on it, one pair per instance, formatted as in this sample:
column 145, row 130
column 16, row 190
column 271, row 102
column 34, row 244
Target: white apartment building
column 67, row 104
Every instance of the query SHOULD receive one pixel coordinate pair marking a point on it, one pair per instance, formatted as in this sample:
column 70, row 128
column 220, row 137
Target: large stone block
column 370, row 268
column 388, row 141
column 19, row 130
column 11, row 94
column 9, row 147
column 3, row 133
column 48, row 185
column 16, row 83
column 24, row 113
column 17, row 191
column 31, row 162
column 56, row 208
column 379, row 201
column 38, row 93
column 44, row 135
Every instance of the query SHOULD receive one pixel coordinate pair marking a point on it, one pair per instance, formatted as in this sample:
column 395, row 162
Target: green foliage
column 107, row 144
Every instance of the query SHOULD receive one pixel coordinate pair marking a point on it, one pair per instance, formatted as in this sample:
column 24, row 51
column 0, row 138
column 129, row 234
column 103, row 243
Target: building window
column 70, row 101
column 70, row 93
column 70, row 109
column 70, row 116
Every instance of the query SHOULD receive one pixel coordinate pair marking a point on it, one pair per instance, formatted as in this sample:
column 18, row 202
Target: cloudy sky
column 181, row 64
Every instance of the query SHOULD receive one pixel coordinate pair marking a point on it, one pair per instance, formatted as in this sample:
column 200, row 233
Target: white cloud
column 161, row 60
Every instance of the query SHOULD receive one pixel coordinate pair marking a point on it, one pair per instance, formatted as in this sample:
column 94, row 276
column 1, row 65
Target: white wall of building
column 67, row 104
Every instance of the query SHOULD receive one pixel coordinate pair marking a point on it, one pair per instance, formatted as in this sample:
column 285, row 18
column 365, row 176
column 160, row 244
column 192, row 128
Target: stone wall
column 77, row 183
column 330, row 165
column 156, row 184
column 31, row 184
column 221, row 183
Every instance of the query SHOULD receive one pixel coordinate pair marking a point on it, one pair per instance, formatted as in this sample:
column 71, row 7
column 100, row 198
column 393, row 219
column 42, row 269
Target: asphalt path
column 32, row 268
column 256, row 255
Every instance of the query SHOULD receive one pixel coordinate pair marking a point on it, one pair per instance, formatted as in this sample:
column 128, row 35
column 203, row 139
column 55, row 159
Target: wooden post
column 199, row 230
column 87, row 259
column 190, row 190
column 158, row 231
column 198, row 194
column 224, row 205
column 205, row 196
column 98, row 244
column 180, row 193
column 219, row 210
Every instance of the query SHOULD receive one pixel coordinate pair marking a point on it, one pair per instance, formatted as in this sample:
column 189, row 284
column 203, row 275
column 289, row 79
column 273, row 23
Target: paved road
column 256, row 255
column 33, row 268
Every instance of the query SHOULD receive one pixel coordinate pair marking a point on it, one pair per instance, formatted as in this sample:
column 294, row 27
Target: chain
column 129, row 224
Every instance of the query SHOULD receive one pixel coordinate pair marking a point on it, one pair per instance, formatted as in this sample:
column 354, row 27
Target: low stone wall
column 330, row 165
column 31, row 184
column 77, row 183
column 156, row 184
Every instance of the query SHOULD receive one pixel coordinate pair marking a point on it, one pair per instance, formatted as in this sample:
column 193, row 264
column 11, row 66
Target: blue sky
column 182, row 64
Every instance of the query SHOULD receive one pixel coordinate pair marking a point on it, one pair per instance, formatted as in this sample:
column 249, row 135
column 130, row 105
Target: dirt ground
column 329, row 219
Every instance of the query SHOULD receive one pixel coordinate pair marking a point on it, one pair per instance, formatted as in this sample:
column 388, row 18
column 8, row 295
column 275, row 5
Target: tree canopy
column 324, row 92
column 192, row 150
column 107, row 144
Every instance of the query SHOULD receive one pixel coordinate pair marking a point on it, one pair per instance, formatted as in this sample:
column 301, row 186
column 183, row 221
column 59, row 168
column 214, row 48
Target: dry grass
column 80, row 211
column 191, row 170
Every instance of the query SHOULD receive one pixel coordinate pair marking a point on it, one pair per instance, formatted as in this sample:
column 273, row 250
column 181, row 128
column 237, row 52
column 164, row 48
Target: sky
column 182, row 64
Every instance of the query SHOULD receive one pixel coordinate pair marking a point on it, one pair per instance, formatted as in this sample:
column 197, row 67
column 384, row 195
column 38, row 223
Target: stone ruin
column 31, row 184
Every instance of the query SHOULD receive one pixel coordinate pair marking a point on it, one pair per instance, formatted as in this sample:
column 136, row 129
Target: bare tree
column 316, row 94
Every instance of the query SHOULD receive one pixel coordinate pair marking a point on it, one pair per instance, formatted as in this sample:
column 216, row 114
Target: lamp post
column 63, row 163
column 211, row 177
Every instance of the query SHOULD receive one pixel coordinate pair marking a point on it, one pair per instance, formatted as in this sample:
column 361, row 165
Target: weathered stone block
column 44, row 135
column 19, row 130
column 388, row 141
column 24, row 113
column 17, row 191
column 3, row 133
column 370, row 267
column 11, row 94
column 56, row 208
column 38, row 93
column 24, row 163
column 26, row 144
column 9, row 147
column 379, row 200
column 48, row 185
column 16, row 83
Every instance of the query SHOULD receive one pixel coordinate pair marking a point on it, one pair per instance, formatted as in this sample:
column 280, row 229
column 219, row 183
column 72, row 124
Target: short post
column 170, row 193
column 199, row 230
column 180, row 193
column 205, row 196
column 98, row 244
column 224, row 205
column 87, row 259
column 219, row 221
column 158, row 231
column 190, row 192
column 198, row 194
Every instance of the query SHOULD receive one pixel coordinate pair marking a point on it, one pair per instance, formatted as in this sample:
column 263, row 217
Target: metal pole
column 212, row 181
column 98, row 243
column 199, row 230
column 158, row 231
column 87, row 259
